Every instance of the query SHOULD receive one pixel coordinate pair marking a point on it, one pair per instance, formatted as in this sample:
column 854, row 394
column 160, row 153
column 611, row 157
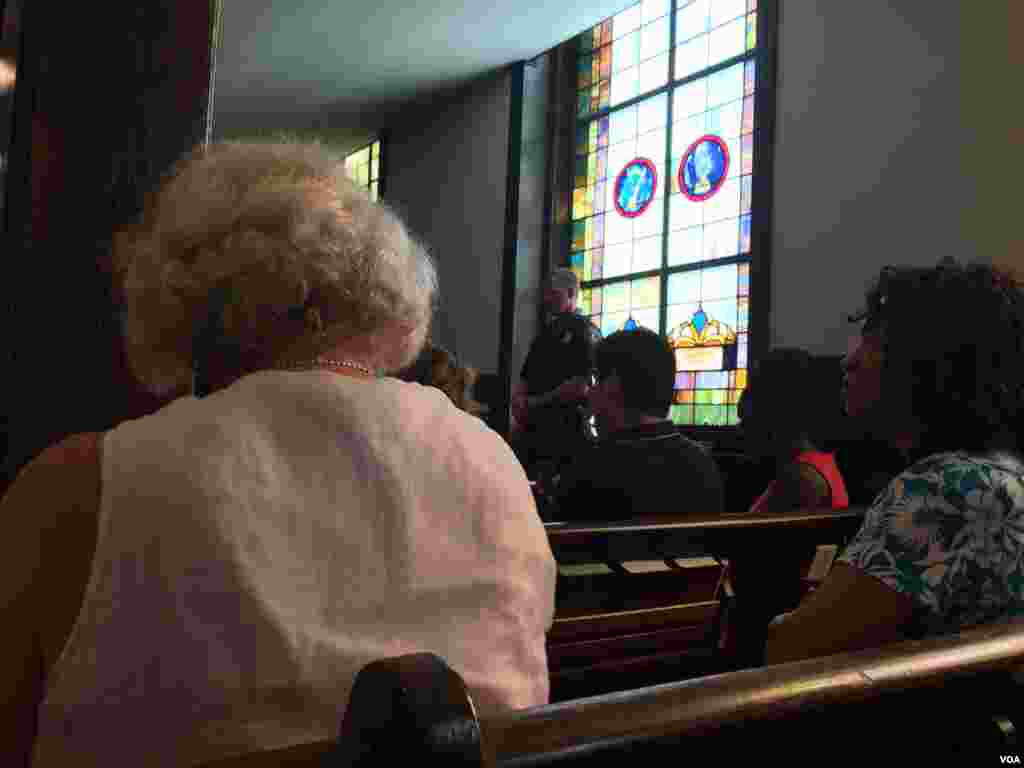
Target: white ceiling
column 342, row 67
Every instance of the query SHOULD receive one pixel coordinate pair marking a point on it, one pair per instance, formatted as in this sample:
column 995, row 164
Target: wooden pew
column 948, row 698
column 640, row 602
column 936, row 697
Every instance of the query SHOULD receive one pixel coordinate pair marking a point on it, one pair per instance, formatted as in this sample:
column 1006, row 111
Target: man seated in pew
column 940, row 366
column 641, row 465
column 777, row 417
column 207, row 581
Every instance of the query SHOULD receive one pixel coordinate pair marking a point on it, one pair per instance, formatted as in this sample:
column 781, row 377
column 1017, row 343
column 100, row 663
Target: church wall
column 867, row 163
column 447, row 167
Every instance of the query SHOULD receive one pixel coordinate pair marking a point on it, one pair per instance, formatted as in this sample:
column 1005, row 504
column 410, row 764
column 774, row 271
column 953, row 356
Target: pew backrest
column 667, row 537
column 953, row 675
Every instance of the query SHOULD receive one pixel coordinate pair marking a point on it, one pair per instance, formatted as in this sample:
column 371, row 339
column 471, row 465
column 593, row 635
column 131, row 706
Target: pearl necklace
column 325, row 363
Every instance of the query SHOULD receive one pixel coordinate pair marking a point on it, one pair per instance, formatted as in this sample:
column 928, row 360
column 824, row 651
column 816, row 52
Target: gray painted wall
column 867, row 155
column 447, row 166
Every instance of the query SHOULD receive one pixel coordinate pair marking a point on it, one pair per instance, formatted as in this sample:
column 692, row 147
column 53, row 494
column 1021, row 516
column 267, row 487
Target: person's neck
column 221, row 373
column 788, row 450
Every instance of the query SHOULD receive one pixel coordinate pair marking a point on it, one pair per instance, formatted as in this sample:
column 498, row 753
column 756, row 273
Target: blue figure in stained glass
column 635, row 187
column 700, row 319
column 704, row 168
column 630, row 324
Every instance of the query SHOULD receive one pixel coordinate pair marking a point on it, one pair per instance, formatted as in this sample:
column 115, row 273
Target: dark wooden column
column 108, row 96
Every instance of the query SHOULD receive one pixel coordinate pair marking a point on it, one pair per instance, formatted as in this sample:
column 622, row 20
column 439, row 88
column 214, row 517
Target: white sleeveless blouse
column 258, row 547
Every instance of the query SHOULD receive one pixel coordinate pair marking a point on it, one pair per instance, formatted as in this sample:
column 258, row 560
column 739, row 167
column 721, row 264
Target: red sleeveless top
column 825, row 464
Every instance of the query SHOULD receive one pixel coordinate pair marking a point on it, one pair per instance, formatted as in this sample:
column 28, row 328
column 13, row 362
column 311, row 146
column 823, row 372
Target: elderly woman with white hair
column 207, row 580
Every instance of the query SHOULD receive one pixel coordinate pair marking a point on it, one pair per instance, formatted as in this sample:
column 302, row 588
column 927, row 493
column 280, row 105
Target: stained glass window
column 662, row 200
column 363, row 167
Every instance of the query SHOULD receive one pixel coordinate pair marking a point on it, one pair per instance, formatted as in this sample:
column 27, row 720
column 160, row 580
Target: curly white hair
column 303, row 255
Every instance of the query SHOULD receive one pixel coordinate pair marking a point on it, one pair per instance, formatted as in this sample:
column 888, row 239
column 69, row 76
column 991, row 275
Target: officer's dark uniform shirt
column 563, row 350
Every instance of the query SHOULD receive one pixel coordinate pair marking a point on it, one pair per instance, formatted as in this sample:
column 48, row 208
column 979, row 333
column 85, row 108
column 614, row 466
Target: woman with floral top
column 939, row 369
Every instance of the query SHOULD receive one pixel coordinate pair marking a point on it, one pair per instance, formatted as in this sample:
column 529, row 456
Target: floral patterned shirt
column 949, row 532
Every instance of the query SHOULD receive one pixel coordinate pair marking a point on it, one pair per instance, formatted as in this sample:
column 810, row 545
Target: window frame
column 371, row 180
column 762, row 182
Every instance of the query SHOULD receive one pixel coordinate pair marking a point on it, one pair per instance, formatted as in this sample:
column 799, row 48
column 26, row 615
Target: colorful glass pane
column 628, row 21
column 704, row 167
column 652, row 10
column 723, row 11
column 363, row 168
column 709, row 32
column 749, row 77
column 746, row 193
column 610, row 306
column 681, row 415
column 654, row 38
column 692, row 19
column 635, row 187
column 618, row 206
column 580, row 173
column 742, row 314
column 747, row 125
column 626, row 52
column 653, row 73
column 726, row 41
column 745, row 234
column 699, row 358
column 584, row 71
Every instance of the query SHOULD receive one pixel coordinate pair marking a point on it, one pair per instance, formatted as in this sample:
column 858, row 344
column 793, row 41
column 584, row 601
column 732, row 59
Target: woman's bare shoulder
column 73, row 452
column 51, row 513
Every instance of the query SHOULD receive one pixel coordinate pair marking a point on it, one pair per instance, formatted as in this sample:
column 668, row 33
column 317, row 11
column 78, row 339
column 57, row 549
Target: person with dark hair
column 641, row 465
column 778, row 414
column 437, row 367
column 939, row 368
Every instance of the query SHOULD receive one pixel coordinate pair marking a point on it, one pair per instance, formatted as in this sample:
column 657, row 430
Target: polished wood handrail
column 668, row 711
column 702, row 704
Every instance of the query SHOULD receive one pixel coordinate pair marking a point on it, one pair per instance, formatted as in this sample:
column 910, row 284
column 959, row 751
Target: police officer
column 546, row 403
